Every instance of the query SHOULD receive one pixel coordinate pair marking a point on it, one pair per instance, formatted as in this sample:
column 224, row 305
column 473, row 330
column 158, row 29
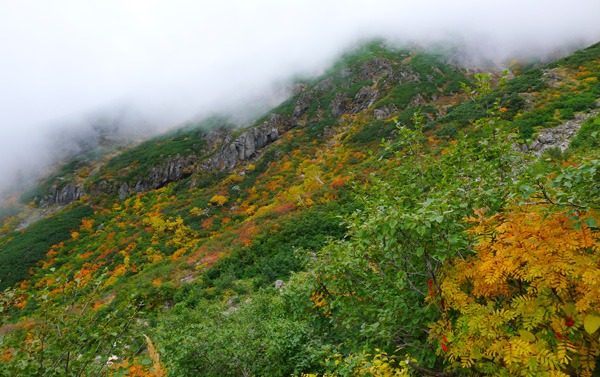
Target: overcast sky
column 61, row 60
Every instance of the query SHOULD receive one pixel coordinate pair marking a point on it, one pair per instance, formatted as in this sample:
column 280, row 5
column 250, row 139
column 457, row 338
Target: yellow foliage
column 137, row 205
column 250, row 210
column 524, row 300
column 155, row 221
column 196, row 211
column 120, row 270
column 218, row 200
column 365, row 364
column 233, row 178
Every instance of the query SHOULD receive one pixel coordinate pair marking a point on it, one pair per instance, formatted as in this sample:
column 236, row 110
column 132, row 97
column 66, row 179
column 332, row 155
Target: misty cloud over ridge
column 172, row 61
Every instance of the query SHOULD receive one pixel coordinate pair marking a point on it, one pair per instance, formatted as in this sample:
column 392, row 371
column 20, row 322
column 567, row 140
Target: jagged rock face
column 384, row 112
column 228, row 150
column 65, row 195
column 364, row 99
column 375, row 68
column 302, row 104
column 171, row 171
column 123, row 191
column 326, row 84
column 417, row 100
column 338, row 105
column 407, row 75
column 175, row 169
column 245, row 146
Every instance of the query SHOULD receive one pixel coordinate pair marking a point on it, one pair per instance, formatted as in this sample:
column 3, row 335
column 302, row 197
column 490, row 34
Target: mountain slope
column 184, row 236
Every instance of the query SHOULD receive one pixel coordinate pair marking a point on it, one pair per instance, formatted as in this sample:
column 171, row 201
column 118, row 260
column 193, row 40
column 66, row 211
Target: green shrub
column 588, row 137
column 20, row 251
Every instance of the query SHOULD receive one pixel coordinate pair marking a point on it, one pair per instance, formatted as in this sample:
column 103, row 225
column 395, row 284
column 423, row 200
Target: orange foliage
column 287, row 166
column 284, row 208
column 250, row 210
column 207, row 224
column 105, row 253
column 85, row 274
column 338, row 182
column 177, row 254
column 247, row 232
column 55, row 249
column 120, row 270
column 21, row 302
column 86, row 225
column 327, row 197
column 6, row 355
column 524, row 300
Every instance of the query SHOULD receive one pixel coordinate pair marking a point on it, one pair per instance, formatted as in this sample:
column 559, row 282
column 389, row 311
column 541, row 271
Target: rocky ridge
column 332, row 96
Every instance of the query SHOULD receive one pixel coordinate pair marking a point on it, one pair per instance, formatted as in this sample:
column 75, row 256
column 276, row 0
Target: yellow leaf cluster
column 218, row 200
column 366, row 364
column 522, row 303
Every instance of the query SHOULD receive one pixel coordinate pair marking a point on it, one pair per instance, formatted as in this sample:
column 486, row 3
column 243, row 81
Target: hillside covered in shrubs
column 399, row 215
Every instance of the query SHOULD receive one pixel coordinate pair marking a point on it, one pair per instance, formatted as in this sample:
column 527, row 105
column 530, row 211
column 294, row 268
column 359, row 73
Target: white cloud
column 175, row 59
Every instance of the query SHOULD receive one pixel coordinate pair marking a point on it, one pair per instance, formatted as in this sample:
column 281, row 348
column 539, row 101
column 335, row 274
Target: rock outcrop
column 174, row 169
column 245, row 146
column 224, row 149
column 364, row 99
column 556, row 137
column 68, row 193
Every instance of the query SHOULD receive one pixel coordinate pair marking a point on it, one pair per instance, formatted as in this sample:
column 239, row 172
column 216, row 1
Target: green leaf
column 591, row 323
column 527, row 336
column 590, row 222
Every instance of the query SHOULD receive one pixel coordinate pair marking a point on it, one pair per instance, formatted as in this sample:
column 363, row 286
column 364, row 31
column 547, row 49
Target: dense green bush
column 20, row 251
column 272, row 256
column 588, row 137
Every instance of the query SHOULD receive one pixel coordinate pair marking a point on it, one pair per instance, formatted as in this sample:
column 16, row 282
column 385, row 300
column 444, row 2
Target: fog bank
column 66, row 61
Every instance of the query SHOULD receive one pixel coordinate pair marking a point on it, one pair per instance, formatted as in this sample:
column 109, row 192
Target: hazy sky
column 172, row 60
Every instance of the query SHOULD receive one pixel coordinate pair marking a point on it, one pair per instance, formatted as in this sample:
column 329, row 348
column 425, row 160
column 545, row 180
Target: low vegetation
column 418, row 242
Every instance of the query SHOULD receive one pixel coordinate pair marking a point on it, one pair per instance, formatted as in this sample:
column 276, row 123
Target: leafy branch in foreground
column 529, row 302
column 73, row 332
